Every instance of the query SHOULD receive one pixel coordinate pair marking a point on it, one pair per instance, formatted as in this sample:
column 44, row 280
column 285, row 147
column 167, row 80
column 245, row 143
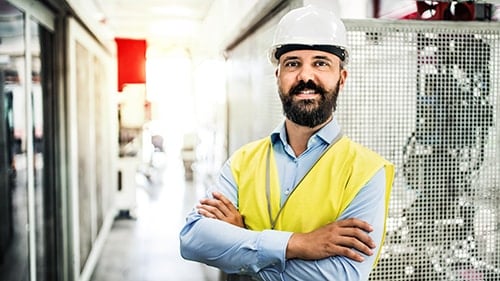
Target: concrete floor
column 147, row 248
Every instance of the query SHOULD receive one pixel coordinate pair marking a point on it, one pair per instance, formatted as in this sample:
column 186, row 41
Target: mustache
column 310, row 85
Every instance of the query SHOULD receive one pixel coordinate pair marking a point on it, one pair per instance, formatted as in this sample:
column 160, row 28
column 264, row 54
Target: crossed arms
column 342, row 250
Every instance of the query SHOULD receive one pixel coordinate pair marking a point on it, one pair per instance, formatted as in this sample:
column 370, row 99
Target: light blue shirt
column 262, row 253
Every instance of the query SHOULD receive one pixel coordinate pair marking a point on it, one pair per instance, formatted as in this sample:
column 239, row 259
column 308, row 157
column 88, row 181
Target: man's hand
column 339, row 238
column 220, row 208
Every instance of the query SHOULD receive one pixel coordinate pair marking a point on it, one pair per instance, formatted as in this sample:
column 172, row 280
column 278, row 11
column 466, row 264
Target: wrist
column 293, row 246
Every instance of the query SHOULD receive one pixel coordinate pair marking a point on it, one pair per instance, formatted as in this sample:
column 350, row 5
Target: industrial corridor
column 146, row 248
column 119, row 115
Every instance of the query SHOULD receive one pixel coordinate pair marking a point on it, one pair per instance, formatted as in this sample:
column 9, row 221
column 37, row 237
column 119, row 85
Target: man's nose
column 305, row 74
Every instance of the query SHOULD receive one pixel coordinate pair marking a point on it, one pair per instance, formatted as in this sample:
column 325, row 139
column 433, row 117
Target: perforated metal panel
column 425, row 96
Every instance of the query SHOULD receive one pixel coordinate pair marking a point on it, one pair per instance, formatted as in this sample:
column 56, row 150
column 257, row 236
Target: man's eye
column 322, row 63
column 291, row 64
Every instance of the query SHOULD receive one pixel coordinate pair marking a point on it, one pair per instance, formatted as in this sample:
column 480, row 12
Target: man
column 305, row 203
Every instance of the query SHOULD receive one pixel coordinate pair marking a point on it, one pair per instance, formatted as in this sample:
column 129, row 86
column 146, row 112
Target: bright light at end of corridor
column 169, row 87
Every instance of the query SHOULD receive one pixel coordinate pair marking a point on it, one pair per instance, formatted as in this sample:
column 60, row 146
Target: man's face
column 309, row 82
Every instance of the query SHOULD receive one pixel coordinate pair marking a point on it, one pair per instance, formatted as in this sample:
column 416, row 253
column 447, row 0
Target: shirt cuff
column 272, row 247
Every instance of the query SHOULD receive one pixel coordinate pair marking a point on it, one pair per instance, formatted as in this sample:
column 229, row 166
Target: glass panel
column 42, row 56
column 13, row 194
column 100, row 139
column 85, row 182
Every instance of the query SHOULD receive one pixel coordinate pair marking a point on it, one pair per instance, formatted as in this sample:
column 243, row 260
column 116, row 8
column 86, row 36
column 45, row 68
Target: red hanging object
column 431, row 10
column 460, row 11
column 455, row 11
column 131, row 61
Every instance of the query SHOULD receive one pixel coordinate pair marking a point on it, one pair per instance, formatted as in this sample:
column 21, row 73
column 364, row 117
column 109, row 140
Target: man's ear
column 343, row 77
column 276, row 72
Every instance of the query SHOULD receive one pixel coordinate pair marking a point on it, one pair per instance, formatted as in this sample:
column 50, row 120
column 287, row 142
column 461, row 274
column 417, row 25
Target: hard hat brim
column 335, row 50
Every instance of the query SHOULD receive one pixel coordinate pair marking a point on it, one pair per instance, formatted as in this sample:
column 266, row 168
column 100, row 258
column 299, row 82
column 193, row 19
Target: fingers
column 311, row 246
column 353, row 222
column 220, row 202
column 215, row 207
column 358, row 238
column 358, row 230
column 221, row 208
column 349, row 238
column 209, row 211
column 226, row 203
column 350, row 253
column 351, row 243
column 355, row 236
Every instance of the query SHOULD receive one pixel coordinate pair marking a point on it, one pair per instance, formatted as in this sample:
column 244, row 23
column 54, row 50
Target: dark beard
column 309, row 113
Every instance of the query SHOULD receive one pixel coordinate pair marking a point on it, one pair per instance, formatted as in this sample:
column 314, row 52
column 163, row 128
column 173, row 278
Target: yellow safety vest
column 322, row 195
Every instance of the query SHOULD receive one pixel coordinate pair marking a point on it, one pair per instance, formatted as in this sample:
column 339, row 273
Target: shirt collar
column 327, row 134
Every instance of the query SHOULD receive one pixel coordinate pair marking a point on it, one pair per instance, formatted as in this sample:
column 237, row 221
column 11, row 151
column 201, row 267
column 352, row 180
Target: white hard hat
column 309, row 27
